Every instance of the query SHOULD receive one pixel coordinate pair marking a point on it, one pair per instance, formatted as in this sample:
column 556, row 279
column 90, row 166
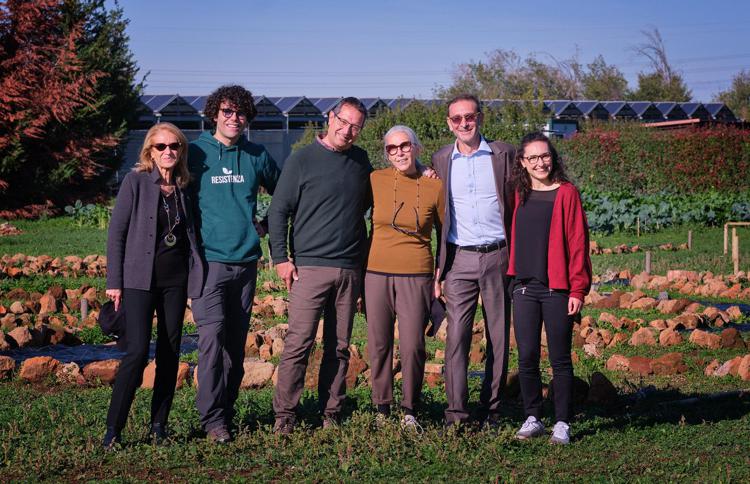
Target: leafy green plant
column 89, row 215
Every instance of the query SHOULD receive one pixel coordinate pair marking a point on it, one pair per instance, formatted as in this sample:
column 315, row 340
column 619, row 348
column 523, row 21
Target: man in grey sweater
column 324, row 191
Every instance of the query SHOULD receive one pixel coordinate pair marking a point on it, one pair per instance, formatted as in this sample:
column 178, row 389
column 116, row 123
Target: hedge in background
column 633, row 158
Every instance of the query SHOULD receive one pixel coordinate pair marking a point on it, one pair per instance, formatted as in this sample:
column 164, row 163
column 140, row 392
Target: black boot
column 111, row 438
column 158, row 433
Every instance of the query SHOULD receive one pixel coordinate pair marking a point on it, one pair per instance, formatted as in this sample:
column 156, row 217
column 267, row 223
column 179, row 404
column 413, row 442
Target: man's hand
column 438, row 286
column 288, row 273
column 574, row 305
column 116, row 296
column 430, row 173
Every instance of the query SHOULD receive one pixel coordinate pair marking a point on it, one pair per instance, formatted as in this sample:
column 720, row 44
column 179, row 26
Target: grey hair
column 400, row 128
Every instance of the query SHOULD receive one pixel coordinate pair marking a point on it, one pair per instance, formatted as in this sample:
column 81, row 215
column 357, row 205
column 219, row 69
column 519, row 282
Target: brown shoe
column 331, row 421
column 219, row 435
column 283, row 426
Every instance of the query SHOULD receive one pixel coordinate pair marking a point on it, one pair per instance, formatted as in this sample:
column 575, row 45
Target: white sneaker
column 531, row 428
column 560, row 433
column 409, row 423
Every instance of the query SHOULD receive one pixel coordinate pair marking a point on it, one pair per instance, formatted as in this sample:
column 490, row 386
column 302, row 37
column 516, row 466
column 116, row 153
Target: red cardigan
column 568, row 261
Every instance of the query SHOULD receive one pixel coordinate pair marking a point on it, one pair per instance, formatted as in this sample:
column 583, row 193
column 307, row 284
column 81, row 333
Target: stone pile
column 595, row 249
column 19, row 265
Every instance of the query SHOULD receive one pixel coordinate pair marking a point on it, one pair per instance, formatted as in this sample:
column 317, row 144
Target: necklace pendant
column 170, row 240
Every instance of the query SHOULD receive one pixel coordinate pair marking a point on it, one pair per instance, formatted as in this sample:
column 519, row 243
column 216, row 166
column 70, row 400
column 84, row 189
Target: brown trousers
column 407, row 297
column 333, row 292
column 473, row 274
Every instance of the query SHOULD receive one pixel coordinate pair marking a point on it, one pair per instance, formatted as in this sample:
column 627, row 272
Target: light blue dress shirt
column 474, row 207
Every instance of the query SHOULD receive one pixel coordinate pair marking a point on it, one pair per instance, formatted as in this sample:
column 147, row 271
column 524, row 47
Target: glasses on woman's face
column 405, row 147
column 228, row 113
column 543, row 158
column 164, row 146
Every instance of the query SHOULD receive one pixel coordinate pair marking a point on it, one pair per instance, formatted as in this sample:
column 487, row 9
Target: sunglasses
column 228, row 113
column 163, row 146
column 468, row 118
column 405, row 147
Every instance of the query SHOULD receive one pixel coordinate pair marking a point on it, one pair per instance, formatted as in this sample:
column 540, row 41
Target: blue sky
column 407, row 48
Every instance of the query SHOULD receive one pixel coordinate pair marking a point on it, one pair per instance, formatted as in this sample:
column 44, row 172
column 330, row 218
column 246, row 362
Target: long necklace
column 397, row 208
column 171, row 239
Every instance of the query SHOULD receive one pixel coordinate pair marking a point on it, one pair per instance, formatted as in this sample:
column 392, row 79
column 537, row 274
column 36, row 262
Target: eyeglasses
column 468, row 118
column 534, row 159
column 405, row 147
column 227, row 112
column 163, row 146
column 346, row 124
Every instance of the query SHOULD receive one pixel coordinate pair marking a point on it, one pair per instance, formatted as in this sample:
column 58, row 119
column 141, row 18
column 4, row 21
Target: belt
column 483, row 248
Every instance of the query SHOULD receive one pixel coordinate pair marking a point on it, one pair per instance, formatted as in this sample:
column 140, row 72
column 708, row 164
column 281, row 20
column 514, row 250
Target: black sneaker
column 111, row 439
column 331, row 421
column 158, row 433
column 283, row 426
column 491, row 423
column 219, row 435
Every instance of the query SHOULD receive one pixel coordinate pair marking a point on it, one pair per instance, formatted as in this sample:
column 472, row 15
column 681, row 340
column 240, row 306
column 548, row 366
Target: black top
column 325, row 194
column 533, row 219
column 170, row 263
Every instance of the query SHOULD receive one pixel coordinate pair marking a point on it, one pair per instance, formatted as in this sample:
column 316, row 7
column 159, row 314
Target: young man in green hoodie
column 227, row 171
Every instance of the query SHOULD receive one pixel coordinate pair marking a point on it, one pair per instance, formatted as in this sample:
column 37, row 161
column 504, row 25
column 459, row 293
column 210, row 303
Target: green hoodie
column 226, row 179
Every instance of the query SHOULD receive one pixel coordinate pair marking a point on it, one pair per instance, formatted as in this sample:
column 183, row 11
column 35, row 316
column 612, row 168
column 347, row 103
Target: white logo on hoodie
column 227, row 177
column 226, row 171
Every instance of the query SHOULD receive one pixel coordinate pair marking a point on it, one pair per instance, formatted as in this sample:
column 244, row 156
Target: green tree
column 737, row 97
column 663, row 83
column 602, row 81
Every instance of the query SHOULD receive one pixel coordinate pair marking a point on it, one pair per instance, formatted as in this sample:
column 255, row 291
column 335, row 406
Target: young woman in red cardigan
column 549, row 259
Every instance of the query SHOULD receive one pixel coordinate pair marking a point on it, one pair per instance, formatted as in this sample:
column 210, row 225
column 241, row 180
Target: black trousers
column 533, row 302
column 169, row 303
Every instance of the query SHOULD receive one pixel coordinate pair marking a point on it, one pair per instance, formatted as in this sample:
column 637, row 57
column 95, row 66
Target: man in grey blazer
column 473, row 256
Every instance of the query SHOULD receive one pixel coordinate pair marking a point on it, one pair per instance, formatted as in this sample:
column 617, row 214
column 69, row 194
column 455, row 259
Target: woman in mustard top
column 399, row 281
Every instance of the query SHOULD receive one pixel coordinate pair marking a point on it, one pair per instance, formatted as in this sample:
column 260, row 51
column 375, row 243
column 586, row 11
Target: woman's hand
column 574, row 305
column 116, row 296
column 437, row 286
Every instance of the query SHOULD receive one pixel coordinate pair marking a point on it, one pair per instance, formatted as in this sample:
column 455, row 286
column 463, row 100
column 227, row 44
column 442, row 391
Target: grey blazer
column 131, row 242
column 503, row 155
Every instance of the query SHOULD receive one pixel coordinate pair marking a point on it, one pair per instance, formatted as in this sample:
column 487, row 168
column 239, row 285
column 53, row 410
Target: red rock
column 644, row 336
column 17, row 307
column 70, row 373
column 625, row 274
column 744, row 369
column 586, row 332
column 658, row 282
column 47, row 304
column 617, row 339
column 610, row 319
column 101, row 371
column 625, row 300
column 7, row 367
column 640, row 365
column 20, row 336
column 669, row 364
column 729, row 367
column 433, row 380
column 711, row 368
column 436, row 368
column 611, row 301
column 669, row 337
column 658, row 324
column 644, row 303
column 733, row 292
column 313, row 368
column 601, row 390
column 592, row 350
column 8, row 322
column 705, row 339
column 476, row 354
column 731, row 338
column 688, row 288
column 4, row 345
column 357, row 366
column 183, row 372
column 90, row 295
column 734, row 313
column 688, row 321
column 680, row 275
column 265, row 352
column 670, row 306
column 38, row 368
column 588, row 321
column 693, row 307
column 618, row 363
column 257, row 373
column 640, row 281
column 277, row 347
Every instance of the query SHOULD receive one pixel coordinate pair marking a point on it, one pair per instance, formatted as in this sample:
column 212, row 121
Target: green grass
column 52, row 433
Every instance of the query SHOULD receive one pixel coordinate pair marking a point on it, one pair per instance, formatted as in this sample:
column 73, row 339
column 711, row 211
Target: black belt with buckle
column 483, row 248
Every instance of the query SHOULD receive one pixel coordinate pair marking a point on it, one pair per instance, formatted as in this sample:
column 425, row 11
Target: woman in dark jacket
column 153, row 264
column 549, row 258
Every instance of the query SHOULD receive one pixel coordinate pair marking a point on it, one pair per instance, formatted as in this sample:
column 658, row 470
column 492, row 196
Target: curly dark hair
column 521, row 178
column 240, row 98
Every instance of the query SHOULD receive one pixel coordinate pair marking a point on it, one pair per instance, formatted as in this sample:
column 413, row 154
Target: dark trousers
column 533, row 302
column 222, row 315
column 407, row 297
column 169, row 303
column 471, row 275
column 333, row 292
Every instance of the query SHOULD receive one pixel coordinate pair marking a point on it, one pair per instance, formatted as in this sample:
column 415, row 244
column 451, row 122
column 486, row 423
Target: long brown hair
column 521, row 178
column 145, row 163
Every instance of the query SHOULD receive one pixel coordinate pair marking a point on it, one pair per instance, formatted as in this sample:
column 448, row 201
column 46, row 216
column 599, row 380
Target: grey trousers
column 407, row 297
column 333, row 292
column 222, row 315
column 473, row 274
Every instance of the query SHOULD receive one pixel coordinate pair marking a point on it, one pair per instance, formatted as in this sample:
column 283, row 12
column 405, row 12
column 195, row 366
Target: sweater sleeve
column 270, row 173
column 579, row 261
column 438, row 221
column 118, row 233
column 283, row 206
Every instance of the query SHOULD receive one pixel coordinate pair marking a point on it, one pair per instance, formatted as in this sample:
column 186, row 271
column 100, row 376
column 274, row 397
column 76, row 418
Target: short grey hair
column 400, row 128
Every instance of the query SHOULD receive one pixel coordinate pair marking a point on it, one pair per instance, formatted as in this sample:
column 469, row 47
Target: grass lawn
column 50, row 432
